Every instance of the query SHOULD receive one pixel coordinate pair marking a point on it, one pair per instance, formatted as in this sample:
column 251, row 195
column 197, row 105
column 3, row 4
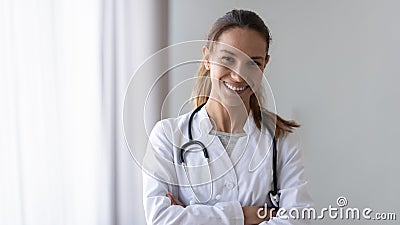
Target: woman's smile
column 235, row 88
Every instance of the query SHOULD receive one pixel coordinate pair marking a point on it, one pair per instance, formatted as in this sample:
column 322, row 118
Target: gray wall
column 334, row 69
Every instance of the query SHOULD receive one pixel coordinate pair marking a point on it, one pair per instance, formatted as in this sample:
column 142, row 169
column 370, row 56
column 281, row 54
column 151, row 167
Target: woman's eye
column 228, row 59
column 254, row 63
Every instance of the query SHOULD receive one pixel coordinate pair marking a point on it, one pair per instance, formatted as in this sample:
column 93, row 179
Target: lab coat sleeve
column 158, row 163
column 291, row 182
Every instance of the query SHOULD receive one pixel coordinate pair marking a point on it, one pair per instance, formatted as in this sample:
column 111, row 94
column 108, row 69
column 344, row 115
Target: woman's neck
column 229, row 119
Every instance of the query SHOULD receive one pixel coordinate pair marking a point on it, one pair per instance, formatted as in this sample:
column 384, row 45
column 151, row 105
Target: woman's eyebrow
column 257, row 57
column 231, row 53
column 227, row 51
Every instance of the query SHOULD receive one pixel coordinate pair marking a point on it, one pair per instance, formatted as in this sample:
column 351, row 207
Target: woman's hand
column 174, row 200
column 251, row 214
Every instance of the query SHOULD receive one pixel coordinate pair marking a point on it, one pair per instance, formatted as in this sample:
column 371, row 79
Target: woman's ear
column 206, row 57
column 266, row 61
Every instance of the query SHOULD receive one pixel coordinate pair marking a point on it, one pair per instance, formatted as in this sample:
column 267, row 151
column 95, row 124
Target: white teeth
column 235, row 88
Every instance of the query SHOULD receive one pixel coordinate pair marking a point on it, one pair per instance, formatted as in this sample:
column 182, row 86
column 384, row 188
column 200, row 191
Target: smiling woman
column 210, row 178
column 235, row 68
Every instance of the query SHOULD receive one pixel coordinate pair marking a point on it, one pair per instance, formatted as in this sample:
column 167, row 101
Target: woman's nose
column 236, row 76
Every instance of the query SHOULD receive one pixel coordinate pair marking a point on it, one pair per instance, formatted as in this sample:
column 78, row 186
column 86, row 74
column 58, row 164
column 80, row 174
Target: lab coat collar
column 259, row 153
column 206, row 125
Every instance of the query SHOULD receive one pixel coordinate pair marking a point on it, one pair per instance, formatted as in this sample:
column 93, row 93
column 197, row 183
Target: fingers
column 273, row 213
column 174, row 200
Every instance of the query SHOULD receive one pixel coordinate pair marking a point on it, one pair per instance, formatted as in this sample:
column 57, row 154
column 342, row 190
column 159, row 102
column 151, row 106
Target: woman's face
column 236, row 65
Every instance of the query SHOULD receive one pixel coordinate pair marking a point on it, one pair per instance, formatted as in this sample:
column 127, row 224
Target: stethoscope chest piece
column 273, row 199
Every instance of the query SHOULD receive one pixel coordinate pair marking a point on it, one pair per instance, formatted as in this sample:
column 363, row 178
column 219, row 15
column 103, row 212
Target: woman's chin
column 233, row 100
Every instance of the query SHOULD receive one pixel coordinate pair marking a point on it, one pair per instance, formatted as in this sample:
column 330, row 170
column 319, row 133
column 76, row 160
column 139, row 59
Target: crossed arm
column 249, row 212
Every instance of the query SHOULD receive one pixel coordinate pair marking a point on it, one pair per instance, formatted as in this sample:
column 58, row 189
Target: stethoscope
column 273, row 197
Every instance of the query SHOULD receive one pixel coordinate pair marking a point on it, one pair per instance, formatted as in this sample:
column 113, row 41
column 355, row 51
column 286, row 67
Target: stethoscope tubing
column 272, row 199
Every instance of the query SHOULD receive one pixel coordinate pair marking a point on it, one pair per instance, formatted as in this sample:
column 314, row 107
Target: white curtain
column 132, row 31
column 64, row 66
column 50, row 113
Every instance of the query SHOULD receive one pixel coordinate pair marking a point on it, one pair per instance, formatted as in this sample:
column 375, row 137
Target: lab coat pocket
column 199, row 194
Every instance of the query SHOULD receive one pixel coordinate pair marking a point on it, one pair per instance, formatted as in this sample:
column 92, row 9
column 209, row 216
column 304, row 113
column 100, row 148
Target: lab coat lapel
column 254, row 148
column 220, row 163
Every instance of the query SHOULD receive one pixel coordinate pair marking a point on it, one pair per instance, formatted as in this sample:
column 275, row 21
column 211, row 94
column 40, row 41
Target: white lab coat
column 243, row 179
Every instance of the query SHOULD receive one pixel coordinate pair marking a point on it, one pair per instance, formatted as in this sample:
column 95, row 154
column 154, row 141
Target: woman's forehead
column 242, row 40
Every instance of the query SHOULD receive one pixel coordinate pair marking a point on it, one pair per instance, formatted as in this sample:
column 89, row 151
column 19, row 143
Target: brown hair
column 250, row 20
